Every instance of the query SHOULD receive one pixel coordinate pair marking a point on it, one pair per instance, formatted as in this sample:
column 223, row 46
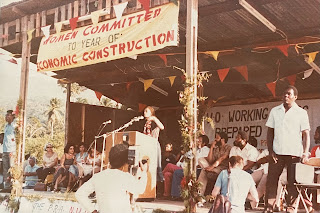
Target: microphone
column 107, row 122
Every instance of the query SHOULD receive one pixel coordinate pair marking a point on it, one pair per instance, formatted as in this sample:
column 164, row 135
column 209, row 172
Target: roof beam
column 18, row 11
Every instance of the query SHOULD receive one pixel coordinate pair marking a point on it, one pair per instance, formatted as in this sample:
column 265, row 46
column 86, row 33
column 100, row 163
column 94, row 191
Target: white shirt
column 249, row 152
column 9, row 140
column 202, row 152
column 239, row 187
column 288, row 127
column 264, row 166
column 111, row 187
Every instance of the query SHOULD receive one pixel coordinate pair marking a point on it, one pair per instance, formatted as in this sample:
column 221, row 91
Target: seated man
column 30, row 173
column 248, row 152
column 216, row 161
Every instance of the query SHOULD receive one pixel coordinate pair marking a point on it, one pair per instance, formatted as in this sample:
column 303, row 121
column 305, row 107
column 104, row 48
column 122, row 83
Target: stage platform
column 146, row 206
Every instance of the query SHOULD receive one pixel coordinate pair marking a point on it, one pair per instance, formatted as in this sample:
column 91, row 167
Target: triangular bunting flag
column 214, row 54
column 307, row 73
column 58, row 27
column 171, row 79
column 164, row 58
column 134, row 57
column 128, row 85
column 12, row 60
column 312, row 56
column 145, row 4
column 95, row 17
column 142, row 107
column 272, row 87
column 46, row 31
column 284, row 49
column 118, row 9
column 223, row 73
column 292, row 79
column 147, row 83
column 73, row 22
column 243, row 70
column 98, row 95
column 29, row 32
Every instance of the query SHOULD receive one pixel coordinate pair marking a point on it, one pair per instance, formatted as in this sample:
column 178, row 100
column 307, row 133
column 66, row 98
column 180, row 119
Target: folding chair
column 304, row 177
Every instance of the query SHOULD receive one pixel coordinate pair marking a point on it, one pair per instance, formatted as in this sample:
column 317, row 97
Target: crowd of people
column 240, row 170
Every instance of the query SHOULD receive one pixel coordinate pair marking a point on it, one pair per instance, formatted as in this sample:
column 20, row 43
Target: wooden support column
column 192, row 66
column 66, row 123
column 83, row 121
column 25, row 60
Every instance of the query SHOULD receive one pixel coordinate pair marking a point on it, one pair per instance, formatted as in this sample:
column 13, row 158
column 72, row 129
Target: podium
column 147, row 149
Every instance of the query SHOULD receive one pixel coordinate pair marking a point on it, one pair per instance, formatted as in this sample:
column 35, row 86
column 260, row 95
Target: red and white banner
column 133, row 34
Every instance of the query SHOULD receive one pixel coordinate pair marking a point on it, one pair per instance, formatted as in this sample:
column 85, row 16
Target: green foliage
column 82, row 101
column 76, row 89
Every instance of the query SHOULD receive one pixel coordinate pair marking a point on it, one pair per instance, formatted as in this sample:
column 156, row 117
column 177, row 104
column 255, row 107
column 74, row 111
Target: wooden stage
column 145, row 206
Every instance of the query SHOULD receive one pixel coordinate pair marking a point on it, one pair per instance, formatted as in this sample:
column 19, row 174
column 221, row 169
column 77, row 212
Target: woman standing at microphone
column 152, row 128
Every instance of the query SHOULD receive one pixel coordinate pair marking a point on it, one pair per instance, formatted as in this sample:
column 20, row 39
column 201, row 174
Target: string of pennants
column 118, row 10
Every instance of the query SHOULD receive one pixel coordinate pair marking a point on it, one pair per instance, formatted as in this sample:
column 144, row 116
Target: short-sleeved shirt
column 239, row 186
column 288, row 127
column 220, row 151
column 31, row 180
column 9, row 140
column 264, row 166
column 249, row 152
column 49, row 160
column 79, row 158
column 202, row 152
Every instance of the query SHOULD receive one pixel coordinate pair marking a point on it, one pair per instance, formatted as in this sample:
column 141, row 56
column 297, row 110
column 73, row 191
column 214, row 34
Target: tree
column 76, row 89
column 54, row 114
column 34, row 128
column 82, row 100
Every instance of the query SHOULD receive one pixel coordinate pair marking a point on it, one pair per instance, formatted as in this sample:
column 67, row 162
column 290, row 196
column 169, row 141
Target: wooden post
column 66, row 137
column 25, row 60
column 83, row 121
column 192, row 69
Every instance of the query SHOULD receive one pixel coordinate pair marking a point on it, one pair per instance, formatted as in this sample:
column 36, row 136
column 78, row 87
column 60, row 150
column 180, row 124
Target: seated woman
column 92, row 164
column 68, row 170
column 237, row 184
column 49, row 163
column 81, row 159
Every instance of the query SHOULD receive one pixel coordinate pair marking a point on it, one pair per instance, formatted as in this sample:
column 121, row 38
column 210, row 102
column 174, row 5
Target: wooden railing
column 10, row 32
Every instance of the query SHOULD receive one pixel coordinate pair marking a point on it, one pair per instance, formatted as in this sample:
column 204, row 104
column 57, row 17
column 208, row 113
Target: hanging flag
column 142, row 107
column 307, row 73
column 29, row 32
column 272, row 87
column 312, row 56
column 214, row 54
column 12, row 60
column 164, row 58
column 145, row 4
column 171, row 79
column 58, row 27
column 95, row 17
column 284, row 49
column 98, row 95
column 243, row 70
column 73, row 22
column 46, row 31
column 5, row 36
column 16, row 112
column 292, row 79
column 223, row 73
column 128, row 85
column 134, row 57
column 118, row 9
column 147, row 84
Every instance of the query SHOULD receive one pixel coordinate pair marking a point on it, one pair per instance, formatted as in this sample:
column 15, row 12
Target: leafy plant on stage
column 190, row 187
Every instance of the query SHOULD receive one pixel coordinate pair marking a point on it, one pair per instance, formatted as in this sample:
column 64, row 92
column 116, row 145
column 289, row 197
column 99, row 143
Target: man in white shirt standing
column 9, row 147
column 242, row 148
column 112, row 186
column 288, row 142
